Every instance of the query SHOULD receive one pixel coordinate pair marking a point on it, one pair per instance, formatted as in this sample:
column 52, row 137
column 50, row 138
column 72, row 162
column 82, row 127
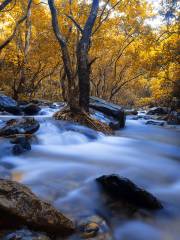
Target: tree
column 83, row 45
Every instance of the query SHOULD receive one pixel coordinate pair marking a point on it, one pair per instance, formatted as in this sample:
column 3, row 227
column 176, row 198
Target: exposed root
column 84, row 119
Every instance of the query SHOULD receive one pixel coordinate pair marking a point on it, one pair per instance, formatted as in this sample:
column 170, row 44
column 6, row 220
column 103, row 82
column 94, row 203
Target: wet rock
column 152, row 122
column 114, row 125
column 9, row 105
column 30, row 109
column 122, row 189
column 109, row 109
column 93, row 227
column 89, row 230
column 157, row 111
column 174, row 118
column 25, row 234
column 19, row 206
column 20, row 126
column 131, row 112
column 22, row 145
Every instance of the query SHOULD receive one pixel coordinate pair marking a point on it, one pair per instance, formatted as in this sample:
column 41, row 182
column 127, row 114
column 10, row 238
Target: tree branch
column 9, row 39
column 4, row 4
column 75, row 22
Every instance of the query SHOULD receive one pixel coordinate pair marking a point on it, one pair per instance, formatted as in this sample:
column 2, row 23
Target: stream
column 65, row 159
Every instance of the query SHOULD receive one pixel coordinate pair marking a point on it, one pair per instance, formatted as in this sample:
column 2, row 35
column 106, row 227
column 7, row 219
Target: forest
column 89, row 120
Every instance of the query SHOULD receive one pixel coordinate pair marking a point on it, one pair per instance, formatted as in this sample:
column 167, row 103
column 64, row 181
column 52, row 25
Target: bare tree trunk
column 82, row 58
column 83, row 75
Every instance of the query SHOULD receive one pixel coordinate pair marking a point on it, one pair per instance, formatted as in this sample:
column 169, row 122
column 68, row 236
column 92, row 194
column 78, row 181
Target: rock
column 94, row 227
column 152, row 122
column 30, row 109
column 174, row 118
column 25, row 234
column 131, row 112
column 19, row 206
column 22, row 145
column 9, row 105
column 122, row 189
column 20, row 126
column 157, row 111
column 114, row 125
column 109, row 109
column 89, row 230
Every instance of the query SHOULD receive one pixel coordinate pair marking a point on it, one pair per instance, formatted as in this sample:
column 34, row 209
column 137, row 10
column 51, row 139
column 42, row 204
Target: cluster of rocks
column 21, row 209
column 20, row 131
column 9, row 105
column 157, row 116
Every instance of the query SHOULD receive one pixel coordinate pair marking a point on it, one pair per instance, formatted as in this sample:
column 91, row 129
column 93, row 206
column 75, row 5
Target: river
column 65, row 159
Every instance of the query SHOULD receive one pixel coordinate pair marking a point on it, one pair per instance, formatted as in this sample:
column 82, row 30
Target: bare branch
column 75, row 22
column 9, row 39
column 101, row 19
column 4, row 4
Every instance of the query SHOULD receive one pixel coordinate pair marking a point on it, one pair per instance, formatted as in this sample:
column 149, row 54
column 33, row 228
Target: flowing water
column 65, row 159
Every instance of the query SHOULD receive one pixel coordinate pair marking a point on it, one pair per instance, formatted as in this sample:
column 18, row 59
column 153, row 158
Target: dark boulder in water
column 157, row 111
column 9, row 105
column 109, row 109
column 22, row 145
column 20, row 126
column 19, row 206
column 30, row 109
column 122, row 189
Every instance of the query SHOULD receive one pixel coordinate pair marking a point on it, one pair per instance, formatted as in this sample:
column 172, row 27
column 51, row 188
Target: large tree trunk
column 82, row 58
column 83, row 75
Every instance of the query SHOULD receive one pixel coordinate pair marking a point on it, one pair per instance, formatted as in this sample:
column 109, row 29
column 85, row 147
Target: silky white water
column 65, row 159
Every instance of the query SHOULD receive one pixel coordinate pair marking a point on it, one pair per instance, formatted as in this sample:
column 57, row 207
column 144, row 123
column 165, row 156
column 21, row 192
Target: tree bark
column 82, row 58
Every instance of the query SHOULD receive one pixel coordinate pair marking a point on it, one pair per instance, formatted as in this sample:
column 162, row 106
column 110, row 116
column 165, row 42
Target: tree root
column 83, row 118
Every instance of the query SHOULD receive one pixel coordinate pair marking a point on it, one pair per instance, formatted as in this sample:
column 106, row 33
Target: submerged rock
column 22, row 145
column 30, row 109
column 9, row 105
column 109, row 109
column 24, row 234
column 20, row 126
column 122, row 189
column 19, row 206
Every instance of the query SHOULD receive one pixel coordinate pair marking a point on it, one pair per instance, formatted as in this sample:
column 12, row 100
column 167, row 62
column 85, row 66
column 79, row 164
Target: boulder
column 20, row 126
column 108, row 109
column 30, row 109
column 22, row 145
column 19, row 206
column 124, row 190
column 157, row 111
column 9, row 105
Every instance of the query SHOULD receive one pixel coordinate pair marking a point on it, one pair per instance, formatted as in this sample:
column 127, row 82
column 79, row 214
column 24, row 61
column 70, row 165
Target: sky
column 156, row 22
